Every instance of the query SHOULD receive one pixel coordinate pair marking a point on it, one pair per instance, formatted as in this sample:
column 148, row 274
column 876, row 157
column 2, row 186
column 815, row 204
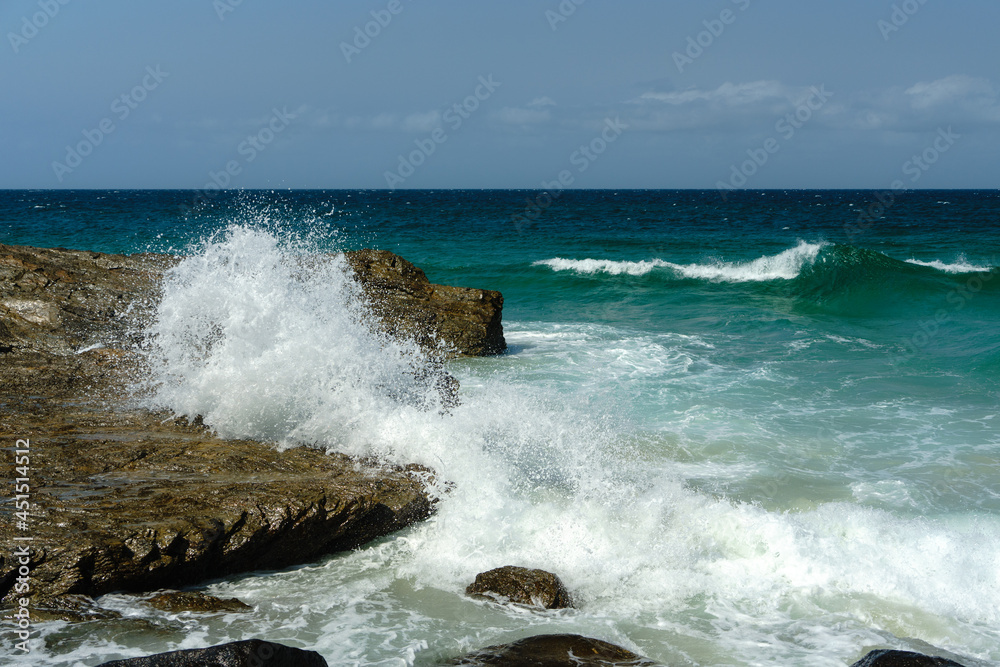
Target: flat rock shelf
column 132, row 500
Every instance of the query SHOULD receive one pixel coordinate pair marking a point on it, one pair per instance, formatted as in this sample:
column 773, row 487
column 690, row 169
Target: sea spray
column 264, row 340
column 267, row 342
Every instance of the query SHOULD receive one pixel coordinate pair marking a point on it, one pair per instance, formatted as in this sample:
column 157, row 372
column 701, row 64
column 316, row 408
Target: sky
column 513, row 94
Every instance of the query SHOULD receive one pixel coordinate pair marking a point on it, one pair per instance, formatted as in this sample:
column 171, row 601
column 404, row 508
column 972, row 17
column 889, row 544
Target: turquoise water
column 743, row 432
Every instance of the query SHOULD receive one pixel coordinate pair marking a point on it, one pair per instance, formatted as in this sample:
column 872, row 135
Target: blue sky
column 643, row 94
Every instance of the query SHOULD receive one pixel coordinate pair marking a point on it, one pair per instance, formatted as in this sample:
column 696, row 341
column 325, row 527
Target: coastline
column 122, row 498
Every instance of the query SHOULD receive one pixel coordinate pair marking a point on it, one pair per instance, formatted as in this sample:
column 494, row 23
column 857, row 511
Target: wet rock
column 519, row 585
column 888, row 658
column 250, row 653
column 178, row 601
column 555, row 651
column 69, row 608
column 136, row 502
column 466, row 321
column 58, row 301
column 124, row 499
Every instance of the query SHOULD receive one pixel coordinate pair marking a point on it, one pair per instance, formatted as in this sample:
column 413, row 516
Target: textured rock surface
column 555, row 651
column 466, row 321
column 57, row 300
column 520, row 585
column 176, row 601
column 250, row 653
column 887, row 658
column 127, row 500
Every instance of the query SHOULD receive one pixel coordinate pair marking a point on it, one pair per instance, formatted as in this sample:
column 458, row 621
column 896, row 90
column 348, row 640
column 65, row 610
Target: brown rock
column 70, row 608
column 123, row 499
column 135, row 501
column 555, row 651
column 178, row 601
column 466, row 321
column 520, row 585
column 58, row 301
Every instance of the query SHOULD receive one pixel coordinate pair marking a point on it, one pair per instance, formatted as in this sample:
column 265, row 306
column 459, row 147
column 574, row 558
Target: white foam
column 785, row 265
column 960, row 265
column 266, row 342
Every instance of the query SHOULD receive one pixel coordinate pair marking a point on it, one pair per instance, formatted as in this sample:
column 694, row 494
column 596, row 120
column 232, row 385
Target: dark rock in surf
column 519, row 585
column 465, row 321
column 249, row 653
column 555, row 651
column 889, row 658
column 69, row 608
column 178, row 601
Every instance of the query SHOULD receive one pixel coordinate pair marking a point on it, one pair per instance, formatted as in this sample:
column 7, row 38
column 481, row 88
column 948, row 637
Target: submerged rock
column 249, row 653
column 465, row 321
column 555, row 651
column 888, row 658
column 69, row 608
column 520, row 585
column 177, row 601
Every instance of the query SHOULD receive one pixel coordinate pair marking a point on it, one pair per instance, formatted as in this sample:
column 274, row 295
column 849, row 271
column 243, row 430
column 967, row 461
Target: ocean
column 757, row 429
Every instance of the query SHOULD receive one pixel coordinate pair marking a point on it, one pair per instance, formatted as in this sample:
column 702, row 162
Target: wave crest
column 785, row 265
column 961, row 265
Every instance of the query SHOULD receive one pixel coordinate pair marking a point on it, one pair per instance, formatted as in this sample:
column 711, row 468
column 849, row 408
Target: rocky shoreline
column 124, row 499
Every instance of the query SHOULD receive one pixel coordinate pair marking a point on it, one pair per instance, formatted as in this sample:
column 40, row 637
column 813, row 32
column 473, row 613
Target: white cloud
column 542, row 102
column 422, row 122
column 383, row 121
column 733, row 106
column 954, row 88
column 727, row 94
column 522, row 116
column 957, row 99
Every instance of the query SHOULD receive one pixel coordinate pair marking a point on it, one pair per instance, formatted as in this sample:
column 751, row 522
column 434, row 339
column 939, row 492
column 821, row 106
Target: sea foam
column 783, row 266
column 268, row 342
column 960, row 265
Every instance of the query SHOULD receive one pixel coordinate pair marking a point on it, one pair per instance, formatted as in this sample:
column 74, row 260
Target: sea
column 744, row 428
